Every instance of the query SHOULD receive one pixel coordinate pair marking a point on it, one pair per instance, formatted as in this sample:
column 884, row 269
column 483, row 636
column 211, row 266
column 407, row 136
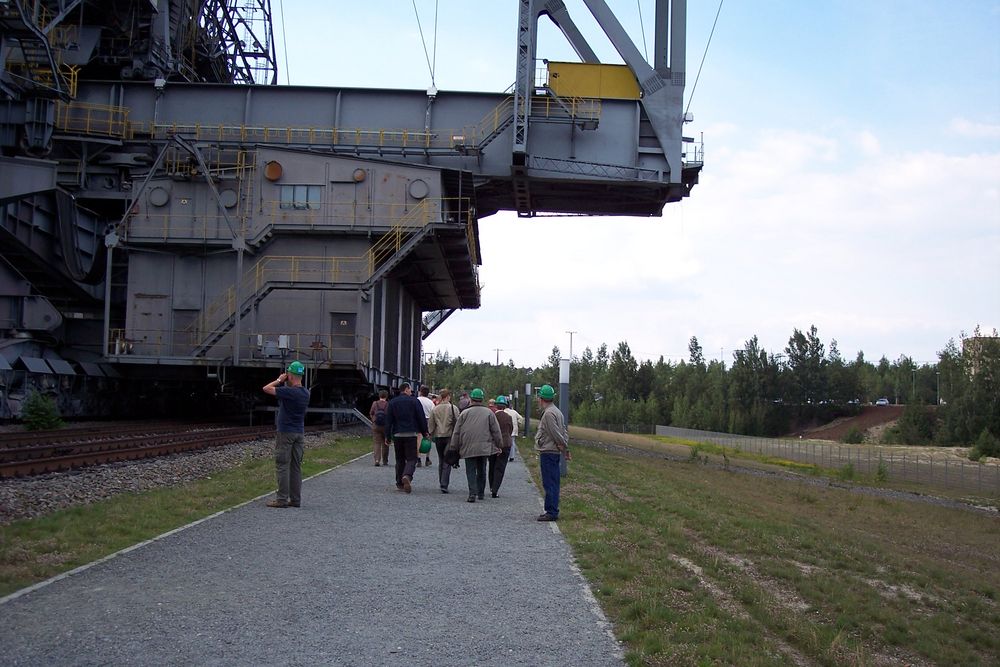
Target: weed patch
column 716, row 568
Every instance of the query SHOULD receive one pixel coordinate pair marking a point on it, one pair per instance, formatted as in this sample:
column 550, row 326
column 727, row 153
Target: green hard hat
column 501, row 400
column 477, row 394
column 546, row 392
column 296, row 368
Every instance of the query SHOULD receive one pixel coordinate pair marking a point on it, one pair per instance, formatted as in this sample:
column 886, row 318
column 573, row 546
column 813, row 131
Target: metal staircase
column 272, row 272
column 433, row 320
column 39, row 74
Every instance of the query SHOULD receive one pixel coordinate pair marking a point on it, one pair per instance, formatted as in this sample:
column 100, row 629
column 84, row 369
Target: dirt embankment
column 871, row 416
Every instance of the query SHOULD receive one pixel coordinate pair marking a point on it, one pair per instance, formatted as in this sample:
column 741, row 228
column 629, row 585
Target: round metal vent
column 159, row 196
column 228, row 198
column 273, row 170
column 419, row 189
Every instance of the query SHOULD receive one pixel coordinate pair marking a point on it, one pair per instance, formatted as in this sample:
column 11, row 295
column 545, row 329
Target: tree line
column 953, row 401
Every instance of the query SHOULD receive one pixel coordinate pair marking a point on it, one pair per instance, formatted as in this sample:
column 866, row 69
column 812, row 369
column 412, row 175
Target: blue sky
column 852, row 177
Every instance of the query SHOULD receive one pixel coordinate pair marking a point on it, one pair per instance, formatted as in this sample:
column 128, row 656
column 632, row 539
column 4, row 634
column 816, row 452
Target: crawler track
column 51, row 451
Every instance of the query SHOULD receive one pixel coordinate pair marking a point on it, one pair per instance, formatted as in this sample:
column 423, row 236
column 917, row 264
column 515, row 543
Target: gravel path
column 361, row 575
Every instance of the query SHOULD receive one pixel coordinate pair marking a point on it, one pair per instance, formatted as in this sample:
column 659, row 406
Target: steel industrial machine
column 174, row 226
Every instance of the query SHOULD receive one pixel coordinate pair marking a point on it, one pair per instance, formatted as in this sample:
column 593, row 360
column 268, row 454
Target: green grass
column 33, row 550
column 788, row 572
column 716, row 454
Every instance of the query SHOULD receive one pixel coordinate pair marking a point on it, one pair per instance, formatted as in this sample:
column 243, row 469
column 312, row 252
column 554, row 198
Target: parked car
column 882, row 401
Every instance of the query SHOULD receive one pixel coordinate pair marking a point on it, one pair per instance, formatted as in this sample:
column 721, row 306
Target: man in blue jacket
column 404, row 422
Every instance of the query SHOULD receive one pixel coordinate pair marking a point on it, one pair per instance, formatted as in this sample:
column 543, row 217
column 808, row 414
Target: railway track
column 25, row 454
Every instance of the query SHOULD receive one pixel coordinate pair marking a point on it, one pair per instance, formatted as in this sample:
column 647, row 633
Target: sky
column 851, row 177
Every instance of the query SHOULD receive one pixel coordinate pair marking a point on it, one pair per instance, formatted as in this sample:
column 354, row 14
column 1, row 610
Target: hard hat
column 546, row 392
column 501, row 400
column 477, row 394
column 296, row 368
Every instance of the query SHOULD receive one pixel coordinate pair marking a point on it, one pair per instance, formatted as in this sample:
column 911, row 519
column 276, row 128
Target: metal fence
column 895, row 464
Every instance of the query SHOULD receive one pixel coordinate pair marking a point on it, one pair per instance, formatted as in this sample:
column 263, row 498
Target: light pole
column 571, row 345
column 938, row 400
column 913, row 388
column 498, row 350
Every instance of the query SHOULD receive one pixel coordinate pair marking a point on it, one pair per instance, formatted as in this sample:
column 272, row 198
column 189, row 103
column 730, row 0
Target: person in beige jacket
column 441, row 425
column 476, row 437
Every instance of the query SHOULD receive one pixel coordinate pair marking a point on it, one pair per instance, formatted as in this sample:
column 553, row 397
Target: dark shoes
column 407, row 486
column 385, row 463
column 294, row 504
column 377, row 464
column 277, row 503
column 444, row 489
column 547, row 517
column 471, row 499
column 480, row 496
column 511, row 458
column 418, row 463
column 494, row 494
column 428, row 462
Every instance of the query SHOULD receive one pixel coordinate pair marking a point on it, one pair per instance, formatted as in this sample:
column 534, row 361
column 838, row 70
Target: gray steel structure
column 168, row 221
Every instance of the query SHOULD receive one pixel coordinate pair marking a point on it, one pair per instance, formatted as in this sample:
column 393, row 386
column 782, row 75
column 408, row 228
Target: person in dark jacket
column 498, row 462
column 404, row 422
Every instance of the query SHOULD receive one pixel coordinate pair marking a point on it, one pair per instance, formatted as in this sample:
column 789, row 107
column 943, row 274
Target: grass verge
column 720, row 455
column 33, row 550
column 698, row 565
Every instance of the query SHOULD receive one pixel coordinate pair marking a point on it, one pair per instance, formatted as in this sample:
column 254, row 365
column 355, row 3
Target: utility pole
column 571, row 345
column 498, row 350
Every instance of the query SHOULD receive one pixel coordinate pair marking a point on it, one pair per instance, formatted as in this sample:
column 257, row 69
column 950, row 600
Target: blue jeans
column 549, row 463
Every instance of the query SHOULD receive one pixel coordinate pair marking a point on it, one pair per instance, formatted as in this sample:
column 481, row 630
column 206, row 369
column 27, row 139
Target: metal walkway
column 360, row 575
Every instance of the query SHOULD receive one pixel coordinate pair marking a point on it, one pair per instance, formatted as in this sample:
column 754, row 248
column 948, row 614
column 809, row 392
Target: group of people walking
column 481, row 434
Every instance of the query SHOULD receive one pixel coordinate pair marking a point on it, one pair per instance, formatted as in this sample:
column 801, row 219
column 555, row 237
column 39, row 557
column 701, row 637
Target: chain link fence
column 894, row 464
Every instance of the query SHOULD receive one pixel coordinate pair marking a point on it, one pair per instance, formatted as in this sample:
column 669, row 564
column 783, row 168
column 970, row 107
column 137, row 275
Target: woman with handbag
column 441, row 424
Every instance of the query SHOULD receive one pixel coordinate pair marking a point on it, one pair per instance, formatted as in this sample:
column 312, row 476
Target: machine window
column 301, row 196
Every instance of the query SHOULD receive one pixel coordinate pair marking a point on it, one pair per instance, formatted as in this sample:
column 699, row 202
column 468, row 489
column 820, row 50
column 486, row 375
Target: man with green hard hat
column 476, row 437
column 498, row 461
column 551, row 440
column 293, row 399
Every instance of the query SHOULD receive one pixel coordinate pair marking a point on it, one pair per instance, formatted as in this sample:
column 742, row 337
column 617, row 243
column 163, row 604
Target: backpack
column 380, row 414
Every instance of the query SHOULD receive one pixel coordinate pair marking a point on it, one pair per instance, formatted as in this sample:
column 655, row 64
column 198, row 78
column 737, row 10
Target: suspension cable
column 423, row 42
column 284, row 42
column 435, row 58
column 698, row 76
column 642, row 26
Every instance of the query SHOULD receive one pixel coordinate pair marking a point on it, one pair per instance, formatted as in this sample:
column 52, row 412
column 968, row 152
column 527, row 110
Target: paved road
column 361, row 575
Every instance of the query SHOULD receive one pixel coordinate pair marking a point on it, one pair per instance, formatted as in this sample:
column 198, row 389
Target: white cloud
column 869, row 144
column 889, row 253
column 973, row 130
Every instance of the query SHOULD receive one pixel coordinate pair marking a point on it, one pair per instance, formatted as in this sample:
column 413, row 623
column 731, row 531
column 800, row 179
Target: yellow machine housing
column 609, row 82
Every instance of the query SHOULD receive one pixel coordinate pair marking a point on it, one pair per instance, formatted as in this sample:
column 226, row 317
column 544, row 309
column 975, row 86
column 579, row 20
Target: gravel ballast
column 361, row 574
